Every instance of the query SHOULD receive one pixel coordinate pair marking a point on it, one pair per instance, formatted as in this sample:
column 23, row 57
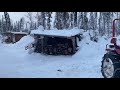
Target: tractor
column 110, row 67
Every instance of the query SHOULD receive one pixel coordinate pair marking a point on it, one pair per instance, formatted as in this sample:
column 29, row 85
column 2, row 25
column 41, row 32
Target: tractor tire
column 110, row 67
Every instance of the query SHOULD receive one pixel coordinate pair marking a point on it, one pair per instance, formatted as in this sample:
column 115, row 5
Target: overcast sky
column 15, row 16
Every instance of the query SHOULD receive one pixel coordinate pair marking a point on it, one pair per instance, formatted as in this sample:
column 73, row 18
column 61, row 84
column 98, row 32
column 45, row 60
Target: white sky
column 15, row 16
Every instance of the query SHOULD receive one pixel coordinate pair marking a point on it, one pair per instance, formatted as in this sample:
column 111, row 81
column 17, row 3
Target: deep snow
column 56, row 32
column 15, row 62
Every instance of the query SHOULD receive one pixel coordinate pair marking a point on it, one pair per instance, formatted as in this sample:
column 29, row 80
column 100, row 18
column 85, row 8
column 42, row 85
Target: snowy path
column 15, row 62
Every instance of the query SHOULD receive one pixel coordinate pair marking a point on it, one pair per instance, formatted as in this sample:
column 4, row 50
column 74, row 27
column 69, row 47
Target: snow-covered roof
column 63, row 33
column 18, row 32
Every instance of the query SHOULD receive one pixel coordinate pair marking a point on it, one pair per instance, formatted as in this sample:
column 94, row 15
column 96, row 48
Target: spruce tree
column 0, row 26
column 49, row 16
column 58, row 21
column 80, row 20
column 43, row 19
column 22, row 22
column 85, row 21
column 71, row 20
column 75, row 19
column 7, row 20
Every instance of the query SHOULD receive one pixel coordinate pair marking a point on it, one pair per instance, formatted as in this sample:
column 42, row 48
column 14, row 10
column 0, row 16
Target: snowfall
column 16, row 62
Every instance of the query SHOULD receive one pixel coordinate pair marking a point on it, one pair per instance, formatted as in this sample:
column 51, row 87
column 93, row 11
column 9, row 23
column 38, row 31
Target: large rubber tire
column 114, row 70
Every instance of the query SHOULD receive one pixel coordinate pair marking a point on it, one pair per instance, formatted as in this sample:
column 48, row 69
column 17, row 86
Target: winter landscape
column 96, row 31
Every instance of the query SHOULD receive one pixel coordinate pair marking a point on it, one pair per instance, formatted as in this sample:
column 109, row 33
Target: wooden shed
column 13, row 37
column 56, row 42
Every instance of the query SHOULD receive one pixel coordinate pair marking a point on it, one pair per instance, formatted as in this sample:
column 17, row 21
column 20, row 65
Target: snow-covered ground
column 15, row 62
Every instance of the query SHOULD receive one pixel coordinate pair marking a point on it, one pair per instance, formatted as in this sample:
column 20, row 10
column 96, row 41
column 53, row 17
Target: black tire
column 114, row 58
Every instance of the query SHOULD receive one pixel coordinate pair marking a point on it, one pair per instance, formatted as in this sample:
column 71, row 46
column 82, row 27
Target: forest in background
column 97, row 23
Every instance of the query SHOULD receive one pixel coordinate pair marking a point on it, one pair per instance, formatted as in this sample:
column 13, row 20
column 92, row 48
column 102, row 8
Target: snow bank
column 24, row 41
column 88, row 48
column 86, row 63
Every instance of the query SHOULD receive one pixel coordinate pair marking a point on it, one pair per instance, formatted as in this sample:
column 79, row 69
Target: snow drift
column 24, row 41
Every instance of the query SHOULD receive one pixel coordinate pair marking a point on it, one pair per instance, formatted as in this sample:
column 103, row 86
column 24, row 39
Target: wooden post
column 42, row 43
column 73, row 42
column 13, row 38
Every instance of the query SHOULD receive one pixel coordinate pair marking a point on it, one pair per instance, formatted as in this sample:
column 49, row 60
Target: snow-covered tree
column 49, row 16
column 96, row 19
column 107, row 22
column 58, row 21
column 66, row 20
column 7, row 20
column 80, row 20
column 85, row 21
column 38, row 17
column 18, row 26
column 92, row 21
column 43, row 19
column 22, row 22
column 31, row 22
column 75, row 19
column 93, row 26
column 0, row 26
column 71, row 20
column 14, row 27
column 3, row 24
column 100, row 24
column 35, row 25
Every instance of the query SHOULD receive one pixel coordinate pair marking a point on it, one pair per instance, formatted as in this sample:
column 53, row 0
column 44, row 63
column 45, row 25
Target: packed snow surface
column 15, row 62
